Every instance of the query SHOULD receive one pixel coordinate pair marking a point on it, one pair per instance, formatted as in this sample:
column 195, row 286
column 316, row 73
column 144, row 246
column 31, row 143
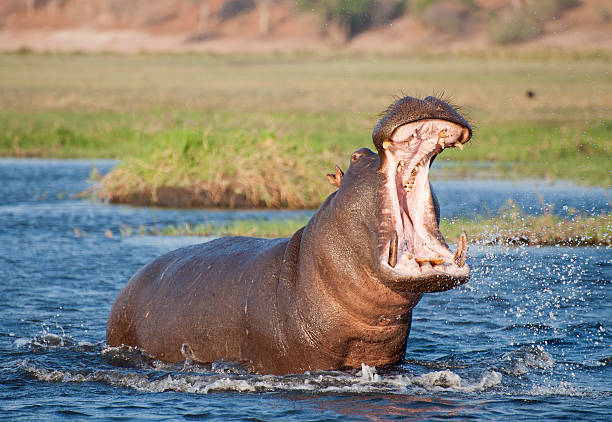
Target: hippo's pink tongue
column 416, row 244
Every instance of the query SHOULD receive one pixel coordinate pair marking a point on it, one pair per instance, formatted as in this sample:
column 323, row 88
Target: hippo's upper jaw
column 413, row 255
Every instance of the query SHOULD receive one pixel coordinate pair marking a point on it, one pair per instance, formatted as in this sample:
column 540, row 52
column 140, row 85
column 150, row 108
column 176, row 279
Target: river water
column 528, row 337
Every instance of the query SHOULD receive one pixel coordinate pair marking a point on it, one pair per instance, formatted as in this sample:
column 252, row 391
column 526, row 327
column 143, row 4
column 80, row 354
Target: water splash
column 365, row 381
column 523, row 360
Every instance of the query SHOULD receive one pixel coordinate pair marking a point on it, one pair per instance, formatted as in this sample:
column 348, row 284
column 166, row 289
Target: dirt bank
column 225, row 26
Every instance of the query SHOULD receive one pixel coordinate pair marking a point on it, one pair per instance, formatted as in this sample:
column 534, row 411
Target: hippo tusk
column 393, row 251
column 462, row 249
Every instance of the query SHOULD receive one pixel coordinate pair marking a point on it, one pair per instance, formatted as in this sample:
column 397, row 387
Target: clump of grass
column 513, row 228
column 518, row 229
column 249, row 227
column 234, row 169
column 272, row 168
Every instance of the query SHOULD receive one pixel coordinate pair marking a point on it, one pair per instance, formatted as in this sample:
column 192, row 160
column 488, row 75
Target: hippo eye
column 356, row 156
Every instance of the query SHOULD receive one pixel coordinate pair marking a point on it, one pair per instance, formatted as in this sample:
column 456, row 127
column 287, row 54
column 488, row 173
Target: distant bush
column 548, row 8
column 527, row 22
column 514, row 28
column 451, row 16
column 232, row 8
column 355, row 16
column 419, row 7
column 385, row 11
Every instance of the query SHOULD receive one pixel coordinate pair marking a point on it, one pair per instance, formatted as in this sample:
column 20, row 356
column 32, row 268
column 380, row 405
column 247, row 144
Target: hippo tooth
column 458, row 145
column 420, row 260
column 400, row 166
column 436, row 261
column 409, row 184
column 387, row 144
column 462, row 249
column 441, row 143
column 393, row 250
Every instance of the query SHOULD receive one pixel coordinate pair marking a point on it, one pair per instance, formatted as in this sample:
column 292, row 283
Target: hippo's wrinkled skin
column 338, row 293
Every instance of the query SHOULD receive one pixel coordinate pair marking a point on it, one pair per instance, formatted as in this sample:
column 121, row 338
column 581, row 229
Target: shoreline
column 515, row 230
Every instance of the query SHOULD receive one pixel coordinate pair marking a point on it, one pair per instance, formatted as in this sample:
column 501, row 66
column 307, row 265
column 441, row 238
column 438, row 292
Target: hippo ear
column 336, row 178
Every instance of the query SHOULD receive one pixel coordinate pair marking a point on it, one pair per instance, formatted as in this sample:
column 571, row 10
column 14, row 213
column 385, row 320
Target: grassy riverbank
column 263, row 130
column 512, row 229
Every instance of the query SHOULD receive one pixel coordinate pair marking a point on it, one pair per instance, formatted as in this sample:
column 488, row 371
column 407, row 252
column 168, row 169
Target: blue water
column 528, row 337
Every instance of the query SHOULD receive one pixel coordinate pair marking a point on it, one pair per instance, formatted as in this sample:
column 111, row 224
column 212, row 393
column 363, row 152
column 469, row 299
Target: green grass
column 272, row 126
column 512, row 228
column 255, row 228
column 578, row 151
column 519, row 229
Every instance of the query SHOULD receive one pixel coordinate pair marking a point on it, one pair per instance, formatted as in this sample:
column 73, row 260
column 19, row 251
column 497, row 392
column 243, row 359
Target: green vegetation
column 255, row 228
column 264, row 130
column 513, row 228
column 526, row 22
column 354, row 15
column 514, row 27
column 518, row 229
column 548, row 150
column 508, row 23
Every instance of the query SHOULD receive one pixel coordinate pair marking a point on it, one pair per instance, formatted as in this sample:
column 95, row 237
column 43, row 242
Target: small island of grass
column 512, row 229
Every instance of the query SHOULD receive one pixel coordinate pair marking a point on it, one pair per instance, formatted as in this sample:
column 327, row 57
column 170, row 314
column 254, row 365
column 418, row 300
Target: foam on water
column 523, row 360
column 561, row 389
column 156, row 376
column 364, row 381
column 50, row 341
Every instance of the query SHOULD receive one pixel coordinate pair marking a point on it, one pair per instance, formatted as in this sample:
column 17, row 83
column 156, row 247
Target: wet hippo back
column 183, row 302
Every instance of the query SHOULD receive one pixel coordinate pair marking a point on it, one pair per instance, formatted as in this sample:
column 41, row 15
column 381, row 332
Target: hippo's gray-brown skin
column 338, row 293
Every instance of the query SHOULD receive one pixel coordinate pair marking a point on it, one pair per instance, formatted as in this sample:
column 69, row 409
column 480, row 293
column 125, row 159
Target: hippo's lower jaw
column 415, row 256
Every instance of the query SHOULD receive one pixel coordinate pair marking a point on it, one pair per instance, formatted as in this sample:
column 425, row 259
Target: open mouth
column 416, row 248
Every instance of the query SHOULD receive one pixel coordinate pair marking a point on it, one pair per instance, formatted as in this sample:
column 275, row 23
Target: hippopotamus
column 338, row 293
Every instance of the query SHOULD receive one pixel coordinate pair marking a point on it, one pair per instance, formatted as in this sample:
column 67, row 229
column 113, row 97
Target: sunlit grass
column 255, row 228
column 516, row 229
column 513, row 228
